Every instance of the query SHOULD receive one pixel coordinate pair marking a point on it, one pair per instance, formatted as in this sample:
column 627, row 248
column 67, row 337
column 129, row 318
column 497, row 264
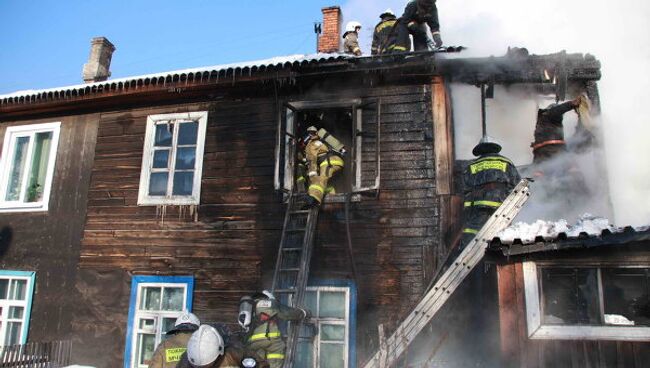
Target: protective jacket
column 322, row 163
column 549, row 131
column 384, row 36
column 169, row 352
column 230, row 359
column 351, row 43
column 265, row 340
column 417, row 14
column 487, row 180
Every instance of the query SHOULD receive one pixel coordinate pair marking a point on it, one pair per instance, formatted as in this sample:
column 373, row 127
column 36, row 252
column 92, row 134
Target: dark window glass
column 570, row 296
column 183, row 183
column 187, row 133
column 164, row 133
column 185, row 158
column 625, row 295
column 161, row 159
column 158, row 184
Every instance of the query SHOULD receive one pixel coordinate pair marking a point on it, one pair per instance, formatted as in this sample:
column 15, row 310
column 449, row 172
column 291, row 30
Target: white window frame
column 25, row 304
column 539, row 331
column 157, row 316
column 144, row 199
column 332, row 321
column 11, row 133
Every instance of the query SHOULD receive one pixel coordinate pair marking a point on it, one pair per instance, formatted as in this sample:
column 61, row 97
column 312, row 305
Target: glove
column 437, row 39
column 312, row 173
column 307, row 313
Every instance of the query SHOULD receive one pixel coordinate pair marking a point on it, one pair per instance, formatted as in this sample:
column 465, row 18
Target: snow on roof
column 550, row 230
column 250, row 66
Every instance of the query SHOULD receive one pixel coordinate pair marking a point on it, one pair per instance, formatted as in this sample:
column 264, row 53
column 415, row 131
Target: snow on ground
column 549, row 230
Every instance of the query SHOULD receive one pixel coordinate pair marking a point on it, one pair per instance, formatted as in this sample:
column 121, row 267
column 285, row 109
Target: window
column 173, row 159
column 156, row 302
column 333, row 311
column 16, row 291
column 27, row 166
column 354, row 122
column 587, row 302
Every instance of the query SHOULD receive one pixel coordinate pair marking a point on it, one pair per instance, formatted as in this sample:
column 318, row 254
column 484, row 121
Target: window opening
column 156, row 302
column 27, row 166
column 16, row 291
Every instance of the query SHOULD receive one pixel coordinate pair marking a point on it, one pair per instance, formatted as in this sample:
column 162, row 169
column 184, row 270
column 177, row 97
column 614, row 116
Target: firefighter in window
column 324, row 154
column 260, row 315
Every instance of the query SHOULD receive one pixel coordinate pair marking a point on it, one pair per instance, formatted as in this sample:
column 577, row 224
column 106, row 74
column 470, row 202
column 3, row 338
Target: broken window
column 173, row 159
column 327, row 345
column 16, row 290
column 156, row 302
column 353, row 122
column 27, row 166
column 591, row 302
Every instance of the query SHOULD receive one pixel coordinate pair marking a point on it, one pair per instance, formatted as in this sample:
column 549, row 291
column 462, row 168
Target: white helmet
column 268, row 293
column 205, row 346
column 352, row 26
column 386, row 12
column 187, row 318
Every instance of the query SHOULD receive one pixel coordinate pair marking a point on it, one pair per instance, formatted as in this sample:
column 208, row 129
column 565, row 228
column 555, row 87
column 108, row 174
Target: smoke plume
column 615, row 32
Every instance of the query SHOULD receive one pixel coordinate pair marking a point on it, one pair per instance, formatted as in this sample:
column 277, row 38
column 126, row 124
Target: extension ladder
column 390, row 351
column 292, row 265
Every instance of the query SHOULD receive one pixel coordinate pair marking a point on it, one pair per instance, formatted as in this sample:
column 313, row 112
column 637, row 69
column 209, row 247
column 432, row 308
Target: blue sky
column 45, row 43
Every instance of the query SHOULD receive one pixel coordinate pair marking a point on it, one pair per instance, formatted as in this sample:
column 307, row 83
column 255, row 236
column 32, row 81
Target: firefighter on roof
column 487, row 180
column 549, row 131
column 260, row 314
column 351, row 37
column 169, row 352
column 324, row 159
column 421, row 19
column 383, row 39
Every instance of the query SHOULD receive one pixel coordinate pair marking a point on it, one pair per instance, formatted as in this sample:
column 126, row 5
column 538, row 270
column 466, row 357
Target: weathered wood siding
column 230, row 246
column 48, row 242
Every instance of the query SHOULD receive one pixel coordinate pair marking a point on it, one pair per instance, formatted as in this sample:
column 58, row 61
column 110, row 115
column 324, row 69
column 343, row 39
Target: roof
column 195, row 74
column 563, row 241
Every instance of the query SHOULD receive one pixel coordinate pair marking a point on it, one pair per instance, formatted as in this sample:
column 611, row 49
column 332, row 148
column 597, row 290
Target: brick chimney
column 330, row 40
column 98, row 67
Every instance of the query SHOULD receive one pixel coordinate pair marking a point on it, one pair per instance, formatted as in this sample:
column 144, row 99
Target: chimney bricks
column 97, row 68
column 330, row 40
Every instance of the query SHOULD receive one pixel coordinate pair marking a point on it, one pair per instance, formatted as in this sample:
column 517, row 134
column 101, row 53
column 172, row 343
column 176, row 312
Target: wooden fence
column 53, row 354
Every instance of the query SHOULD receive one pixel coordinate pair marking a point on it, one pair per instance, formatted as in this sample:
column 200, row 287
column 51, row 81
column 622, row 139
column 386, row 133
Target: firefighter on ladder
column 488, row 180
column 323, row 161
column 260, row 314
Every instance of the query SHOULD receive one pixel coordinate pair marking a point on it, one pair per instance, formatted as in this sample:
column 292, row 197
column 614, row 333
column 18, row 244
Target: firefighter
column 206, row 349
column 384, row 32
column 323, row 161
column 169, row 352
column 487, row 180
column 549, row 131
column 301, row 167
column 421, row 19
column 351, row 37
column 265, row 339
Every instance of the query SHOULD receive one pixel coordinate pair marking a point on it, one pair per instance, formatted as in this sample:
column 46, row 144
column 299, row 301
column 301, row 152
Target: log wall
column 229, row 242
column 49, row 242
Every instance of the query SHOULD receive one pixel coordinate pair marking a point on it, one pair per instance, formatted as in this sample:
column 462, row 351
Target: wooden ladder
column 392, row 348
column 292, row 265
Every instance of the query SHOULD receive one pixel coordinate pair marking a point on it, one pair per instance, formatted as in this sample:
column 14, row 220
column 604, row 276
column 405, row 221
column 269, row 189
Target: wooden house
column 167, row 192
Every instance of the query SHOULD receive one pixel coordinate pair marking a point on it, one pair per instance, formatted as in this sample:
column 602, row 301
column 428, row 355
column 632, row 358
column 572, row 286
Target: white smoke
column 615, row 32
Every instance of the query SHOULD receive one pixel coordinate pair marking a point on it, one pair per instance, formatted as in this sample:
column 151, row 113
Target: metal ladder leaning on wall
column 292, row 264
column 435, row 298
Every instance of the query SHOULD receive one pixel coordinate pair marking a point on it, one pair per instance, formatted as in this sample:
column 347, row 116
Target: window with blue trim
column 156, row 302
column 333, row 316
column 16, row 292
